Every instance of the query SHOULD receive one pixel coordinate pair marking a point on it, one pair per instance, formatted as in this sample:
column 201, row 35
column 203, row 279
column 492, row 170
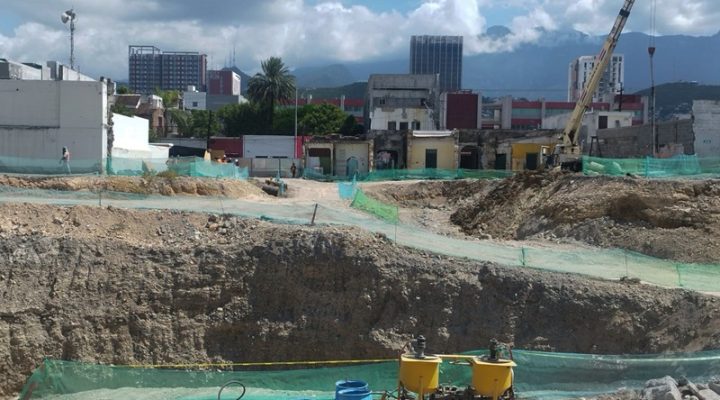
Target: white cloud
column 305, row 33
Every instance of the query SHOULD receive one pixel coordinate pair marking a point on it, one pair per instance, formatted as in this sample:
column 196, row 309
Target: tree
column 272, row 85
column 242, row 119
column 322, row 119
column 121, row 109
column 170, row 98
column 349, row 126
column 182, row 120
column 200, row 125
column 122, row 89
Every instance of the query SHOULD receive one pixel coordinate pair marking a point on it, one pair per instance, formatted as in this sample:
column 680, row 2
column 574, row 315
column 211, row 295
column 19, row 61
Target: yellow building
column 432, row 149
column 530, row 156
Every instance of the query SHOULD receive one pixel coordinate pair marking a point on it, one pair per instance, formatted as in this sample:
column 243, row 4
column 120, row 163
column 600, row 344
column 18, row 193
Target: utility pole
column 651, row 52
column 207, row 144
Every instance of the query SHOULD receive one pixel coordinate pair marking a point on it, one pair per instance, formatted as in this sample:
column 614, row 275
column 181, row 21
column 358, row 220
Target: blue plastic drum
column 353, row 394
column 350, row 384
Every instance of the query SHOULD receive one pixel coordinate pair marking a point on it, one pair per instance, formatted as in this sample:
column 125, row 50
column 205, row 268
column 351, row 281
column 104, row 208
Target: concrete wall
column 38, row 118
column 194, row 100
column 13, row 70
column 269, row 146
column 380, row 117
column 707, row 127
column 216, row 102
column 447, row 155
column 637, row 141
column 343, row 151
column 131, row 133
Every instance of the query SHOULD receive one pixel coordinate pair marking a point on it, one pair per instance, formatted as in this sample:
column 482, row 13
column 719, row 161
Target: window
column 392, row 126
column 195, row 103
column 403, row 126
column 415, row 125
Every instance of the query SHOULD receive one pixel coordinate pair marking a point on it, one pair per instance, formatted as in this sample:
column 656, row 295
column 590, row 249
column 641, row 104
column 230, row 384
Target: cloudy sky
column 310, row 32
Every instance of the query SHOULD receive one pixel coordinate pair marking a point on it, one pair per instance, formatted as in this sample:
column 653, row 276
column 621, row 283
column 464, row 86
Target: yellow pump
column 419, row 375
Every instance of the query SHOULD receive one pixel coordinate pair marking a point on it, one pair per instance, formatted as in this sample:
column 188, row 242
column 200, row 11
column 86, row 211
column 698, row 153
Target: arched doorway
column 352, row 166
column 469, row 157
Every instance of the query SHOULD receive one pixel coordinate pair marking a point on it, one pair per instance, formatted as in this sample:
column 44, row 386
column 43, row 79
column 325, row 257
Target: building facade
column 438, row 55
column 402, row 102
column 611, row 82
column 40, row 117
column 150, row 68
column 224, row 82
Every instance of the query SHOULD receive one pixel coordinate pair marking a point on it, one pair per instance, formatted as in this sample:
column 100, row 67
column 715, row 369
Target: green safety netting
column 180, row 166
column 347, row 190
column 379, row 217
column 538, row 375
column 688, row 166
column 413, row 174
column 386, row 212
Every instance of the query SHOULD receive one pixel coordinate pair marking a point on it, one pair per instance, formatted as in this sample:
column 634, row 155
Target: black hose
column 232, row 383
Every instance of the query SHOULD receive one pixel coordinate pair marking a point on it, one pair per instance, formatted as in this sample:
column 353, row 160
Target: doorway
column 430, row 158
column 469, row 157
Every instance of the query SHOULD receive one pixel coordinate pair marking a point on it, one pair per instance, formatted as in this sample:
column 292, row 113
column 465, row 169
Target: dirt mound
column 125, row 287
column 426, row 194
column 166, row 186
column 677, row 220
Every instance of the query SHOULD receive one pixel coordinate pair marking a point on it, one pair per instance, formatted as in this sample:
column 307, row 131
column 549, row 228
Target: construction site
column 557, row 251
column 125, row 275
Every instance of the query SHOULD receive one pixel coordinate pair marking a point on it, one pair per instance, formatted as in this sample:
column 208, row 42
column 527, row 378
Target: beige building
column 432, row 149
column 339, row 156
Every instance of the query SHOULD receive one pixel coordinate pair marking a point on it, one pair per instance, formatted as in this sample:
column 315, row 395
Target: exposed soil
column 124, row 287
column 678, row 220
column 166, row 186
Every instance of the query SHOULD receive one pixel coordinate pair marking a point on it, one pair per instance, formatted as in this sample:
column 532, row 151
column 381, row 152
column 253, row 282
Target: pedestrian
column 293, row 169
column 65, row 160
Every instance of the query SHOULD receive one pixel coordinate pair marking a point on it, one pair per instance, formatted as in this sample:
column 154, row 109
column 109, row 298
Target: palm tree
column 272, row 85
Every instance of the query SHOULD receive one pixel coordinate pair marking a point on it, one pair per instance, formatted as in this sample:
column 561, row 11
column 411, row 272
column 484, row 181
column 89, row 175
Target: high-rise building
column 611, row 82
column 224, row 82
column 150, row 68
column 438, row 55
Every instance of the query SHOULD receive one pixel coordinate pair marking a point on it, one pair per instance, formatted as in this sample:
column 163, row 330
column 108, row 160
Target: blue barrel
column 350, row 384
column 354, row 394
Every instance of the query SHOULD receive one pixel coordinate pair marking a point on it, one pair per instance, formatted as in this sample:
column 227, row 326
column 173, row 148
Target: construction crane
column 568, row 153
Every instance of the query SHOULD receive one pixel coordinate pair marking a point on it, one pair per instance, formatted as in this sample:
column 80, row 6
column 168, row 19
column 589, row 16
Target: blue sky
column 312, row 32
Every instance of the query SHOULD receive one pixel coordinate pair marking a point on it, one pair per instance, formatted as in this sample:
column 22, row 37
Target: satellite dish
column 65, row 18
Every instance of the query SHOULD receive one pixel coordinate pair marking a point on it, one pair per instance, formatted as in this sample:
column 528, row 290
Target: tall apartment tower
column 611, row 82
column 150, row 68
column 438, row 55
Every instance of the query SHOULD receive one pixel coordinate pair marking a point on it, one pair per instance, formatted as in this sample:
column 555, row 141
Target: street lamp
column 70, row 16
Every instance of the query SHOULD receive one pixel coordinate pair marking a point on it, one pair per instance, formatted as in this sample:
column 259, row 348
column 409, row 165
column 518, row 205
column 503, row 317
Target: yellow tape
column 262, row 364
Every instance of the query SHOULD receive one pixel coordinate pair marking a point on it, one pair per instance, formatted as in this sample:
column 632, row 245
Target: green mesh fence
column 375, row 216
column 674, row 167
column 181, row 166
column 381, row 210
column 414, row 174
column 538, row 375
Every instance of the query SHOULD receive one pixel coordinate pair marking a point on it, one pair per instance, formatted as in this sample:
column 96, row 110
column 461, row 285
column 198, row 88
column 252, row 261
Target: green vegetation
column 313, row 119
column 193, row 123
column 121, row 109
column 274, row 84
column 321, row 119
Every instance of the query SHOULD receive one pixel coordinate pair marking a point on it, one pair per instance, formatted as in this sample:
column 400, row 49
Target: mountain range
column 541, row 69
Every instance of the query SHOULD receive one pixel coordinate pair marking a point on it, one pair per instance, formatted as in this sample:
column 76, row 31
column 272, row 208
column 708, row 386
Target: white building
column 706, row 118
column 194, row 100
column 610, row 84
column 402, row 102
column 41, row 117
column 591, row 123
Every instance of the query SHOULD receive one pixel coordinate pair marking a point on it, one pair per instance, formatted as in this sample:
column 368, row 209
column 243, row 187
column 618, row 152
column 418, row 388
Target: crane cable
column 651, row 52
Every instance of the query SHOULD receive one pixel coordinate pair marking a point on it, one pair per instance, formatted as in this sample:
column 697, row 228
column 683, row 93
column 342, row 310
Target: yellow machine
column 419, row 375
